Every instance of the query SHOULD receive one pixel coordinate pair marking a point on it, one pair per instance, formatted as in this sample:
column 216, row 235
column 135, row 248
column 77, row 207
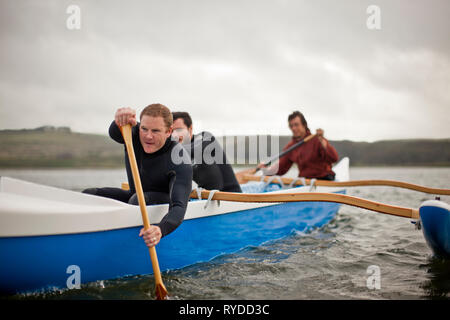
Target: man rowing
column 163, row 180
column 211, row 169
column 314, row 158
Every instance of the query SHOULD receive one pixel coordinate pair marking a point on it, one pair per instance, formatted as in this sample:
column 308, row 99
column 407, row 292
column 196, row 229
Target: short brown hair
column 158, row 110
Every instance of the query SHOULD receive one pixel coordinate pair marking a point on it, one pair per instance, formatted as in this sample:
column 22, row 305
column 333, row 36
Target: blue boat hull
column 36, row 263
column 435, row 220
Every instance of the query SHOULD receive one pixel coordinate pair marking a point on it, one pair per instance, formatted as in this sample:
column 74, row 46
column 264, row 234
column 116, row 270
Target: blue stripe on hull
column 36, row 263
column 436, row 229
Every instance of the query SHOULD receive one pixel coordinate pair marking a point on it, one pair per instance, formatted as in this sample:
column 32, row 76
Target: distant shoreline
column 99, row 167
column 59, row 147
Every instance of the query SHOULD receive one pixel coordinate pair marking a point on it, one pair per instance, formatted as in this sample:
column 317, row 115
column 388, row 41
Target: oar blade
column 161, row 292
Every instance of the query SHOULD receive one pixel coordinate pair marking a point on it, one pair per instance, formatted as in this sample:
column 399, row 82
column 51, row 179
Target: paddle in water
column 161, row 291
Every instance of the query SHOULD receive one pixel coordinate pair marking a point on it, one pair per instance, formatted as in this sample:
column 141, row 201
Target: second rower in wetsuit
column 162, row 180
column 214, row 173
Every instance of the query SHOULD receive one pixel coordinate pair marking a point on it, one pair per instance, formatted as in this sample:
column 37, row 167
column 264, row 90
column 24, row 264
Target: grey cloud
column 232, row 64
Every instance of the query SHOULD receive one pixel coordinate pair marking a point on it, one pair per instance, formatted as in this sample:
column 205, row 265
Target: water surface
column 327, row 263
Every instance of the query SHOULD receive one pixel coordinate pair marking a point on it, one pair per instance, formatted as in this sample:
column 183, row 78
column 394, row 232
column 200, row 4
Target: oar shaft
column 137, row 184
column 161, row 292
column 356, row 183
column 294, row 146
column 155, row 265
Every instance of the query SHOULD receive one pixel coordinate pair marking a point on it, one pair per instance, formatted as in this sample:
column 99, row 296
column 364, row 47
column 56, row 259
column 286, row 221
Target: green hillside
column 417, row 152
column 414, row 152
column 59, row 147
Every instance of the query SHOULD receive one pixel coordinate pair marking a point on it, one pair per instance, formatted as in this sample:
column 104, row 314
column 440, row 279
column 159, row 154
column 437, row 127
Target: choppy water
column 328, row 263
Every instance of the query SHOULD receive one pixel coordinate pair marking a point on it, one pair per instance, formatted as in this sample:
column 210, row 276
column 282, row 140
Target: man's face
column 153, row 133
column 297, row 128
column 181, row 132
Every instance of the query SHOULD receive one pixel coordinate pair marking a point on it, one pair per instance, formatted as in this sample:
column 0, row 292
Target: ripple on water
column 326, row 263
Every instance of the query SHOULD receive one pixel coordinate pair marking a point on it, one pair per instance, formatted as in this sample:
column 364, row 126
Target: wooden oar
column 240, row 175
column 354, row 183
column 161, row 291
column 311, row 196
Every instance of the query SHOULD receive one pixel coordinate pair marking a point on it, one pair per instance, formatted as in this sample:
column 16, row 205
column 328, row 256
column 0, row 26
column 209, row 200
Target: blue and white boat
column 46, row 232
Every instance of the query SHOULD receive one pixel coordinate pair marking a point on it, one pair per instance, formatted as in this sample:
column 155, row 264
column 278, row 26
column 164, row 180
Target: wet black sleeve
column 230, row 183
column 218, row 175
column 228, row 178
column 115, row 134
column 208, row 176
column 180, row 189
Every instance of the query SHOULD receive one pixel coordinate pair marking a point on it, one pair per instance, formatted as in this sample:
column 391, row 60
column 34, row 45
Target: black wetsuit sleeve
column 180, row 189
column 218, row 175
column 208, row 176
column 115, row 134
column 230, row 183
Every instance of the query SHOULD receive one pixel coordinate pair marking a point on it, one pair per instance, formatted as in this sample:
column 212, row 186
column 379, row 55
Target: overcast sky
column 238, row 67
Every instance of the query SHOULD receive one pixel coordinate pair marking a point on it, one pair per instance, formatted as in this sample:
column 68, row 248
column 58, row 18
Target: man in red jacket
column 314, row 158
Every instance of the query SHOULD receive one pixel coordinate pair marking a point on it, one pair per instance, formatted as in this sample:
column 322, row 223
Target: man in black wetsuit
column 211, row 169
column 163, row 181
